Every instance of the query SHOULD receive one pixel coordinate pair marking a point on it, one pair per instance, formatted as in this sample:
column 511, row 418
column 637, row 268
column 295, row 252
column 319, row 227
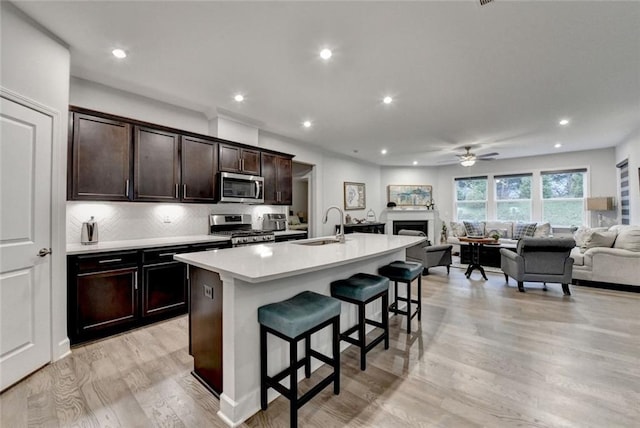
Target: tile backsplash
column 138, row 220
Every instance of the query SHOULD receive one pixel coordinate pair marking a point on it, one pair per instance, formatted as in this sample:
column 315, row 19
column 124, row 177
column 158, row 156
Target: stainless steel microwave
column 242, row 188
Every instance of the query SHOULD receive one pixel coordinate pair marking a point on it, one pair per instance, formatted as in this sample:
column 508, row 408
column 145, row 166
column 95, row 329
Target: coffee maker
column 274, row 222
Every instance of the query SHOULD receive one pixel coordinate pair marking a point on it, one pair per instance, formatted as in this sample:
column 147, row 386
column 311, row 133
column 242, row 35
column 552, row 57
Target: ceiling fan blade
column 486, row 159
column 488, row 155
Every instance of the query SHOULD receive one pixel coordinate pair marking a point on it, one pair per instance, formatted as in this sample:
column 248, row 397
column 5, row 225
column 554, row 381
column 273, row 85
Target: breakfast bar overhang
column 256, row 275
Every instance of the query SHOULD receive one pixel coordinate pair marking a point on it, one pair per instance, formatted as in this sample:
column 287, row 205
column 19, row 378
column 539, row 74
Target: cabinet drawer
column 106, row 261
column 210, row 246
column 162, row 255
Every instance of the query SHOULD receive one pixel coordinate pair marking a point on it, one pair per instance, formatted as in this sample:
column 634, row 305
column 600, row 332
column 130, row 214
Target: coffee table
column 476, row 244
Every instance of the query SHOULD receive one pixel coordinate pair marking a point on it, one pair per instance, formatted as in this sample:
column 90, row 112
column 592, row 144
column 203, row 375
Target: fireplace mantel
column 389, row 215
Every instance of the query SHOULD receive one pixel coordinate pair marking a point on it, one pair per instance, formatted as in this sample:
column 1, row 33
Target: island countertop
column 266, row 262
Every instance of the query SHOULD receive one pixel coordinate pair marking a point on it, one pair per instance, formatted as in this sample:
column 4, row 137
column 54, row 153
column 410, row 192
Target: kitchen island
column 229, row 285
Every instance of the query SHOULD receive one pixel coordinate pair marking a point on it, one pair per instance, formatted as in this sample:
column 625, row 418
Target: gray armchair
column 539, row 260
column 427, row 254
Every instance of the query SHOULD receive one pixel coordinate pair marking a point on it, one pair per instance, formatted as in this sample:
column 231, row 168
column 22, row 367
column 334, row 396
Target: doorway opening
column 301, row 203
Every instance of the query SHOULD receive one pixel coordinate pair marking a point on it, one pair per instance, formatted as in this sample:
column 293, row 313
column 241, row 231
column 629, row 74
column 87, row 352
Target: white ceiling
column 498, row 77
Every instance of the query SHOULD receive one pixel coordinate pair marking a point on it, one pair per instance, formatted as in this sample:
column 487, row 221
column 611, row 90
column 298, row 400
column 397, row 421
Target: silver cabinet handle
column 44, row 252
column 176, row 190
column 166, row 254
column 126, row 189
column 110, row 260
column 184, row 190
column 135, row 280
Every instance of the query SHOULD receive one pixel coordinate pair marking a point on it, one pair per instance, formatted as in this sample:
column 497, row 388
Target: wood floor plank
column 483, row 355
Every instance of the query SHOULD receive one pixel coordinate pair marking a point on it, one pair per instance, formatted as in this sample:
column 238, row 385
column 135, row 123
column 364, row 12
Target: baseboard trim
column 607, row 285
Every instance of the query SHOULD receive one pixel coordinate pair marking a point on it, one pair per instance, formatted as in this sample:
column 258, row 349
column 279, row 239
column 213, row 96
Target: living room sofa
column 607, row 255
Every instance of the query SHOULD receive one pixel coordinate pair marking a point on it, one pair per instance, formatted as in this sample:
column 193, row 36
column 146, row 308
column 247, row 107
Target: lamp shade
column 600, row 204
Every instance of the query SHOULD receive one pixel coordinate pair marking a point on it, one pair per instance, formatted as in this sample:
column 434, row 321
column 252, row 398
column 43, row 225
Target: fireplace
column 409, row 218
column 420, row 225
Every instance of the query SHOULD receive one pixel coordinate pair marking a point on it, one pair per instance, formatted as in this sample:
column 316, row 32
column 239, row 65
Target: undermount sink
column 320, row 241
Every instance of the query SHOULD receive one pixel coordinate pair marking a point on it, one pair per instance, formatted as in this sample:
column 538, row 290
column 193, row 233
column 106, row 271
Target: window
column 513, row 197
column 624, row 191
column 563, row 194
column 471, row 198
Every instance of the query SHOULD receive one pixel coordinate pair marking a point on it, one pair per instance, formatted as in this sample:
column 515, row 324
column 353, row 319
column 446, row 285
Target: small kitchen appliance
column 242, row 188
column 89, row 232
column 274, row 222
column 238, row 228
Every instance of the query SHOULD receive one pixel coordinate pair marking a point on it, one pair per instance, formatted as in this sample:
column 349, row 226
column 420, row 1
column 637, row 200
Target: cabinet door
column 164, row 289
column 250, row 161
column 277, row 174
column 270, row 178
column 199, row 166
column 229, row 159
column 285, row 180
column 156, row 165
column 99, row 159
column 105, row 300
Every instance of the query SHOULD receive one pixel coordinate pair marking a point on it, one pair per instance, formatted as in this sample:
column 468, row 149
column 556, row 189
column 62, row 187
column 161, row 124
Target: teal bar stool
column 405, row 272
column 360, row 289
column 293, row 320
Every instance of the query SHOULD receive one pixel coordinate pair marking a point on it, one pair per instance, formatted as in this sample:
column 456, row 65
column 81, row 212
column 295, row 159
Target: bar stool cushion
column 360, row 287
column 298, row 314
column 401, row 271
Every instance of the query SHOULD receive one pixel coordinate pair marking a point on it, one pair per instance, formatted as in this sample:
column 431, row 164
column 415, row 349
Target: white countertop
column 289, row 232
column 265, row 262
column 131, row 244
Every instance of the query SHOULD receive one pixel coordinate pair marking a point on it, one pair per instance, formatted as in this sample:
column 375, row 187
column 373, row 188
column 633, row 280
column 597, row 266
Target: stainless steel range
column 238, row 228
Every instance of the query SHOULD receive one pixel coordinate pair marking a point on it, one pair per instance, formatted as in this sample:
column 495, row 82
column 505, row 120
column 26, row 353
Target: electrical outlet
column 166, row 219
column 208, row 291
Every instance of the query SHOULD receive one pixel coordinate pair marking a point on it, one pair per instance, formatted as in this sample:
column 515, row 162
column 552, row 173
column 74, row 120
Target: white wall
column 630, row 149
column 36, row 65
column 94, row 96
column 600, row 165
column 300, row 195
column 230, row 129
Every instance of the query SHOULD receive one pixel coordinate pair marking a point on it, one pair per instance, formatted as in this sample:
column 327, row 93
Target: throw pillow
column 628, row 238
column 524, row 229
column 584, row 232
column 474, row 228
column 457, row 229
column 542, row 230
column 599, row 239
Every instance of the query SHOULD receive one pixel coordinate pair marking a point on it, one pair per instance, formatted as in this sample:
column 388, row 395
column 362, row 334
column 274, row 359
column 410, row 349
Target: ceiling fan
column 468, row 158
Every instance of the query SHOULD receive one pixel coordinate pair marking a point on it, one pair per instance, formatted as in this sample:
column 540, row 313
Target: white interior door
column 25, row 234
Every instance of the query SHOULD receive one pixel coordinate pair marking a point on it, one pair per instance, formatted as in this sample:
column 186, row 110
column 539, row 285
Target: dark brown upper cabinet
column 199, row 167
column 156, row 165
column 99, row 159
column 278, row 179
column 238, row 159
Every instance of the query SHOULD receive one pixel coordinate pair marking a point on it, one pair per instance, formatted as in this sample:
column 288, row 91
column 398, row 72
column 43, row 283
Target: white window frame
column 585, row 193
column 485, row 201
column 495, row 200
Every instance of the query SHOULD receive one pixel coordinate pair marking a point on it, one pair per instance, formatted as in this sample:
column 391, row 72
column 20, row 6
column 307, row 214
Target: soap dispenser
column 89, row 233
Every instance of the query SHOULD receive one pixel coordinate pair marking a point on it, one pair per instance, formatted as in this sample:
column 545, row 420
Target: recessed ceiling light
column 325, row 53
column 306, row 124
column 239, row 98
column 119, row 53
column 383, row 151
column 415, row 162
column 557, row 145
column 563, row 122
column 387, row 100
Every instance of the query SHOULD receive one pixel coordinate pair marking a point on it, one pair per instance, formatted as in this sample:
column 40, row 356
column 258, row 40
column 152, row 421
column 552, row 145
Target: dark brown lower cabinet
column 112, row 292
column 164, row 289
column 205, row 327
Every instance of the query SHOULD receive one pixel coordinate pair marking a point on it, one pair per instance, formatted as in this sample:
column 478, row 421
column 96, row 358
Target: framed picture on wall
column 354, row 196
column 409, row 195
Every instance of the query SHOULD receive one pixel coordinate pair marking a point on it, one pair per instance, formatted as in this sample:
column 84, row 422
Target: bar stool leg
column 419, row 297
column 336, row 355
column 385, row 318
column 307, row 358
column 263, row 367
column 293, row 382
column 395, row 285
column 361, row 336
column 409, row 307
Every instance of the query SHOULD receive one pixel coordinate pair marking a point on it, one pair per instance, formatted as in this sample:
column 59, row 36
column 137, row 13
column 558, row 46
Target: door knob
column 44, row 252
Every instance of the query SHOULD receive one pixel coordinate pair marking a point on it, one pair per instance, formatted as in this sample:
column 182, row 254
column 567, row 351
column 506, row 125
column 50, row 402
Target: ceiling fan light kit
column 467, row 162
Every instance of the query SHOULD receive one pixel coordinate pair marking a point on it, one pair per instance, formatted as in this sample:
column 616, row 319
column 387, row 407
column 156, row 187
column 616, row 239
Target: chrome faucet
column 340, row 233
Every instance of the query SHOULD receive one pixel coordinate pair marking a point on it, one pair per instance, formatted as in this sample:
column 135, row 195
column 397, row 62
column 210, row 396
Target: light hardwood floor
column 485, row 355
